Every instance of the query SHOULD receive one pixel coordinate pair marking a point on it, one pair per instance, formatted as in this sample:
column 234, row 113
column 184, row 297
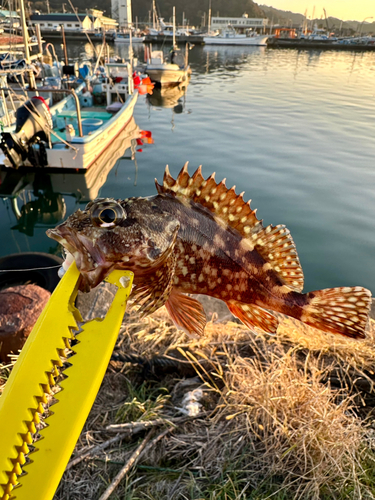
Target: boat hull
column 88, row 148
column 218, row 40
column 167, row 76
column 135, row 39
column 81, row 152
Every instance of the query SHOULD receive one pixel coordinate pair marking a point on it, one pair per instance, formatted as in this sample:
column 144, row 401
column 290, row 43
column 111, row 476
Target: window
column 76, row 25
column 41, row 24
column 69, row 25
column 49, row 24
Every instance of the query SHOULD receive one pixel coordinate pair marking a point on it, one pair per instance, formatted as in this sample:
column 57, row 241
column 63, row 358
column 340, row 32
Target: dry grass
column 285, row 417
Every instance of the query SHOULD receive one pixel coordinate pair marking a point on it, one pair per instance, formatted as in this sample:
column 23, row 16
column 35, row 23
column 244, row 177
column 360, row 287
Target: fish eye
column 107, row 213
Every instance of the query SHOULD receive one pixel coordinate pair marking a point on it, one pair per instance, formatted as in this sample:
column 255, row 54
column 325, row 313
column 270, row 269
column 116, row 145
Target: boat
column 165, row 72
column 72, row 133
column 38, row 197
column 64, row 136
column 172, row 71
column 229, row 36
column 120, row 37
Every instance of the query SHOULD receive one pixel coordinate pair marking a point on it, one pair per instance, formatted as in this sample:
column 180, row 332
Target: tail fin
column 339, row 310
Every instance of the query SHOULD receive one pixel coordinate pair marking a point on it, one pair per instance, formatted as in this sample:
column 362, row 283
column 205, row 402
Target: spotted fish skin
column 199, row 237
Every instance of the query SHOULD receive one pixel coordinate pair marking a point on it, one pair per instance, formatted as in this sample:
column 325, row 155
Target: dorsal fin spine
column 273, row 243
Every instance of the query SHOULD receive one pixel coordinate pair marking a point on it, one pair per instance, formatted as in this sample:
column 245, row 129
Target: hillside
column 194, row 10
column 283, row 17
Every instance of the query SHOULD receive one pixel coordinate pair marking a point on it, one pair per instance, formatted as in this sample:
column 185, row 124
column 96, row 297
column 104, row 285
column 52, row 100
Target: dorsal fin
column 217, row 198
column 274, row 244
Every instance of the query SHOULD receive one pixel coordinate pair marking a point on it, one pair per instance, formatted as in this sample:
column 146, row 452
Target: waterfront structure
column 121, row 10
column 240, row 24
column 9, row 19
column 92, row 20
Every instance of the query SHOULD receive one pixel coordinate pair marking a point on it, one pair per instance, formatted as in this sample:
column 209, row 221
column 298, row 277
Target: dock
column 301, row 44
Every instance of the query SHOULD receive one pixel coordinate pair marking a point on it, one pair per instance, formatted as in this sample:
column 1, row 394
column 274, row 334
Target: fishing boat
column 171, row 71
column 229, row 36
column 66, row 135
column 165, row 72
column 120, row 37
column 40, row 198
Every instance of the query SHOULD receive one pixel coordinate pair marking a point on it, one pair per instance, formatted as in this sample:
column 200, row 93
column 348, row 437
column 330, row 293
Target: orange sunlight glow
column 346, row 10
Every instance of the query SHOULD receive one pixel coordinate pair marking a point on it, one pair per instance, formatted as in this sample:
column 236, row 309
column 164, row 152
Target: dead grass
column 285, row 417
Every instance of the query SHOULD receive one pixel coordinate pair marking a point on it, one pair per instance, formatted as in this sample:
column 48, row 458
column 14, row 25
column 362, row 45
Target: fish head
column 133, row 234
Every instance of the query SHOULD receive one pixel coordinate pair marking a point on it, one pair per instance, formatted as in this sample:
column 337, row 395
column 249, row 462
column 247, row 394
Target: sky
column 342, row 9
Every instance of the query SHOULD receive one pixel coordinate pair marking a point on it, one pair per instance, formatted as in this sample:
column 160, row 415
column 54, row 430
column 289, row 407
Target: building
column 92, row 21
column 9, row 18
column 240, row 24
column 121, row 10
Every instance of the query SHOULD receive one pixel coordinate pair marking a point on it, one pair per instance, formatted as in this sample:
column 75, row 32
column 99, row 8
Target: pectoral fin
column 253, row 316
column 186, row 313
column 153, row 291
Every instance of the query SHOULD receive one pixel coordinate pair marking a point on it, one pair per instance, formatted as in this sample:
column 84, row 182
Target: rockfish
column 199, row 237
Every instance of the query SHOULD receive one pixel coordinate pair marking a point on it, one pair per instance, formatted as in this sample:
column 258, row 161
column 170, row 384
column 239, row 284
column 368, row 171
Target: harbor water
column 292, row 129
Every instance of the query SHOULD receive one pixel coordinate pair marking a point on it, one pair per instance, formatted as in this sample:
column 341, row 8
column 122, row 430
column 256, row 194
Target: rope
column 30, row 269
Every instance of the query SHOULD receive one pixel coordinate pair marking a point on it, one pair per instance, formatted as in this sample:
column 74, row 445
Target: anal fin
column 186, row 313
column 253, row 316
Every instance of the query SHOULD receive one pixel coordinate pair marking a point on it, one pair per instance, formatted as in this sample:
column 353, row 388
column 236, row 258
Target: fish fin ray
column 186, row 313
column 224, row 203
column 339, row 310
column 275, row 244
column 253, row 316
column 152, row 292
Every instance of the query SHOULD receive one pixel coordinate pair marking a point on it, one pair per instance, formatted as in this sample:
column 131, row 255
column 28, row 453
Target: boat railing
column 56, row 91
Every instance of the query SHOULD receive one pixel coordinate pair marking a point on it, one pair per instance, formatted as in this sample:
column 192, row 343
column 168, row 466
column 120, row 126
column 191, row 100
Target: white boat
column 168, row 72
column 229, row 36
column 65, row 136
column 37, row 197
column 126, row 38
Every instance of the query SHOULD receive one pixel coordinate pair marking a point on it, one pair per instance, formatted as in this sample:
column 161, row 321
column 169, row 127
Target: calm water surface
column 294, row 130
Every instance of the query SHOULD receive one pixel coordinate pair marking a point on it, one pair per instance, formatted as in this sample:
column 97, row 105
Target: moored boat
column 168, row 72
column 66, row 135
column 231, row 37
column 127, row 38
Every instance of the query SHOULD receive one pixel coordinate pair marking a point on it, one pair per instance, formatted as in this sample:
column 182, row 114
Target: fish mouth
column 90, row 262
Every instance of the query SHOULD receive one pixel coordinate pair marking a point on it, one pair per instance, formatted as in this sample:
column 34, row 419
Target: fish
column 196, row 236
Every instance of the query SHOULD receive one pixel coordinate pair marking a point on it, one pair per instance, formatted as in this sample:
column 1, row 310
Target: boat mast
column 25, row 35
column 209, row 19
column 174, row 28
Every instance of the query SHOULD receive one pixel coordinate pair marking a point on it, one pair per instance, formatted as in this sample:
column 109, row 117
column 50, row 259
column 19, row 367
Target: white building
column 240, row 24
column 121, row 10
column 93, row 20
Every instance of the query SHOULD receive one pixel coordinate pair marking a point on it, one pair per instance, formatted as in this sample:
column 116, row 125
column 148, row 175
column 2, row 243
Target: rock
column 20, row 307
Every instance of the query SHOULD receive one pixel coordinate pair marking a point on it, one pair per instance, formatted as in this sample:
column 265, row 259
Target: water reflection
column 169, row 97
column 228, row 58
column 37, row 198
